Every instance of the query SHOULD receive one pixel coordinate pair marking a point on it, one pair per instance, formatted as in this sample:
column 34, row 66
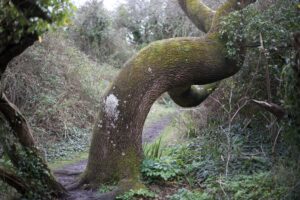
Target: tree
column 21, row 24
column 172, row 65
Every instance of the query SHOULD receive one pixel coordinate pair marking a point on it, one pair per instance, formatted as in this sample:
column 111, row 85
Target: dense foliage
column 270, row 41
column 17, row 20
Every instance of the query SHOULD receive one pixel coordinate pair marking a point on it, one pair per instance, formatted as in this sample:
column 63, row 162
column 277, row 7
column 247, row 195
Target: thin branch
column 273, row 108
column 275, row 141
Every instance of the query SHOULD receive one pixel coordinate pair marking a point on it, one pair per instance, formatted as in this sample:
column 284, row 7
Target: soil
column 70, row 173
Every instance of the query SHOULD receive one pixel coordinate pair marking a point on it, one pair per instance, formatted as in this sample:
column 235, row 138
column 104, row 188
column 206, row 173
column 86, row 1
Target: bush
column 184, row 194
column 153, row 150
column 256, row 186
column 137, row 194
column 164, row 169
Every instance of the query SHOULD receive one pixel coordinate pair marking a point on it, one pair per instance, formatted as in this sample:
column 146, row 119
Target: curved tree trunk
column 168, row 65
column 116, row 148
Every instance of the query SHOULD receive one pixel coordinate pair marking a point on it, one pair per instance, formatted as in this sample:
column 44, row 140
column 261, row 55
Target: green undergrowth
column 158, row 111
column 197, row 166
column 137, row 194
column 66, row 160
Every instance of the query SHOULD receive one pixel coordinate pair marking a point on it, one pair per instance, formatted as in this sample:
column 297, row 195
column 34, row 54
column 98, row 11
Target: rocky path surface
column 69, row 173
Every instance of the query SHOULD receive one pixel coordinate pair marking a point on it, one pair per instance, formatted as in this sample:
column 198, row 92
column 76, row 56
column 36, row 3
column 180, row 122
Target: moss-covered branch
column 191, row 96
column 228, row 7
column 198, row 13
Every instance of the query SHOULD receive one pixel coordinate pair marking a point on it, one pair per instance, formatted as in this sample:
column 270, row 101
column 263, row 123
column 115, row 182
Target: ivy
column 264, row 37
column 164, row 169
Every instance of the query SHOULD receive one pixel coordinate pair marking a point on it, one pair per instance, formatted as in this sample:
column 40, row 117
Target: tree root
column 67, row 173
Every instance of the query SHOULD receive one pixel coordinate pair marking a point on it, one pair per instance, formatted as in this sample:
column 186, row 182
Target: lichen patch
column 111, row 107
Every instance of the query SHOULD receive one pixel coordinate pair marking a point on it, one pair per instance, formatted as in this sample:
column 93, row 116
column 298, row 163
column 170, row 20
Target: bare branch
column 275, row 109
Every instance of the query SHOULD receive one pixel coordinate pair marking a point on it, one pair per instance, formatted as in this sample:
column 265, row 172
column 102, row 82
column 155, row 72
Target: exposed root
column 76, row 185
column 68, row 173
column 109, row 195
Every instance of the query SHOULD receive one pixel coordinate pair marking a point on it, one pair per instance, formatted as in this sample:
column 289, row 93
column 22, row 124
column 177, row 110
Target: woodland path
column 69, row 173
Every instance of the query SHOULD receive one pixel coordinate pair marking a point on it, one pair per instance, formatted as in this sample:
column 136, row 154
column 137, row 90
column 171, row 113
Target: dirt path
column 153, row 130
column 69, row 173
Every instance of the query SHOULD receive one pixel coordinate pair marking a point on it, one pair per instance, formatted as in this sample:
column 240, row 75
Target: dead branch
column 273, row 108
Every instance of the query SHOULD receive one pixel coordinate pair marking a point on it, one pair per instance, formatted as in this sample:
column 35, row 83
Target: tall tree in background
column 172, row 65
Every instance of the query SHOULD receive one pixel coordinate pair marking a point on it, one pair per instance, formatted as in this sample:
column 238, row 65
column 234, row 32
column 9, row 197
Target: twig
column 275, row 141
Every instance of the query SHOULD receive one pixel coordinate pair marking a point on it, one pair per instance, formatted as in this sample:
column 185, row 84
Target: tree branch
column 12, row 50
column 17, row 121
column 228, row 7
column 198, row 13
column 273, row 108
column 191, row 96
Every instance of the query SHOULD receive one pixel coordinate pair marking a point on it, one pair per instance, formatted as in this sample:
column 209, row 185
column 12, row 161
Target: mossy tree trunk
column 172, row 65
column 29, row 173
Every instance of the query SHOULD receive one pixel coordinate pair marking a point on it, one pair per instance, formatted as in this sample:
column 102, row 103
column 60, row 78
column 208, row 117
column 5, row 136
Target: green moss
column 200, row 14
column 173, row 52
column 173, row 56
column 129, row 164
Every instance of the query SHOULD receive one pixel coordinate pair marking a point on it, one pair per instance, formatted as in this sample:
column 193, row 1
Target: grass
column 158, row 111
column 61, row 162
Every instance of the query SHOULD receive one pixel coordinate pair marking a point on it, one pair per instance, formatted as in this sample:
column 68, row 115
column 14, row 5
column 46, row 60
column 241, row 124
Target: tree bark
column 25, row 152
column 17, row 122
column 200, row 14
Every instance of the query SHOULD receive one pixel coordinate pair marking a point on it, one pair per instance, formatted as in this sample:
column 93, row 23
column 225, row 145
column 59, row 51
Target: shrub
column 137, row 194
column 153, row 150
column 184, row 194
column 164, row 169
